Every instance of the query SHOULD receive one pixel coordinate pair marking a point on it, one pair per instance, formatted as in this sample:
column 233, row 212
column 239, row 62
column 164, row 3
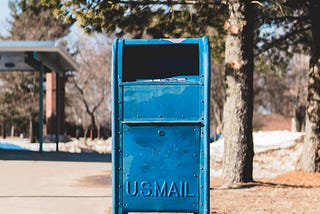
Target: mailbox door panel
column 161, row 167
column 161, row 102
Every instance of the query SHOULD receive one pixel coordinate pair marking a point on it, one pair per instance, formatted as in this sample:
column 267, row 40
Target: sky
column 4, row 15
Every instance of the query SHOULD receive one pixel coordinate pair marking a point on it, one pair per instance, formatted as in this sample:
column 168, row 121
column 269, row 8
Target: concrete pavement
column 56, row 185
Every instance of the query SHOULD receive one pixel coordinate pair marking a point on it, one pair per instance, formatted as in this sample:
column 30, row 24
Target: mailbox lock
column 161, row 133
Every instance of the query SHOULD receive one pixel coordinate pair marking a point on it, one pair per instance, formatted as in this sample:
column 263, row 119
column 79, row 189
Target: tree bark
column 238, row 108
column 310, row 161
column 311, row 151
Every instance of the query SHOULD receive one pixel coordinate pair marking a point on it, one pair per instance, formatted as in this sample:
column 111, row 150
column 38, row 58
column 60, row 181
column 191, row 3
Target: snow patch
column 263, row 141
column 75, row 146
column 276, row 152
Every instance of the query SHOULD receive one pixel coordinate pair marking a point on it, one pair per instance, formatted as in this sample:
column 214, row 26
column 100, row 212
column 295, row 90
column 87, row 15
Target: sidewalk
column 51, row 183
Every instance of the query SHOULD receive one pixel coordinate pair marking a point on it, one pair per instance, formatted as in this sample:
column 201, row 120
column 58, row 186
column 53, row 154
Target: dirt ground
column 64, row 183
column 293, row 192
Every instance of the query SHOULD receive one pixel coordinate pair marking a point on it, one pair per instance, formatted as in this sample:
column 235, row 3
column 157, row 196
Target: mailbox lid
column 161, row 167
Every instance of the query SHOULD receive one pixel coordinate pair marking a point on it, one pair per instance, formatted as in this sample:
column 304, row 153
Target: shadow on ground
column 250, row 185
column 53, row 156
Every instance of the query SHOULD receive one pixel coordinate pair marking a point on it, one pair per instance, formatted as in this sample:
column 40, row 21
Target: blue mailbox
column 160, row 131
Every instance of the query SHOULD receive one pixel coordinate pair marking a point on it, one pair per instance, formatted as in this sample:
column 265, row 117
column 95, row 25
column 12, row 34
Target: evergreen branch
column 281, row 19
column 169, row 2
column 278, row 41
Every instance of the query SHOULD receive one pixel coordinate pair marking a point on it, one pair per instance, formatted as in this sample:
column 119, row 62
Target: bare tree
column 20, row 93
column 217, row 98
column 89, row 89
column 271, row 93
column 297, row 83
column 281, row 89
column 103, row 116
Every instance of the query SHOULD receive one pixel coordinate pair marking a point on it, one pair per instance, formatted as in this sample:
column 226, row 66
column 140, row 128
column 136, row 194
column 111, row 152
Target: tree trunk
column 12, row 131
column 77, row 133
column 93, row 126
column 99, row 132
column 91, row 134
column 310, row 161
column 4, row 130
column 238, row 108
column 311, row 151
column 31, row 135
column 85, row 134
column 299, row 119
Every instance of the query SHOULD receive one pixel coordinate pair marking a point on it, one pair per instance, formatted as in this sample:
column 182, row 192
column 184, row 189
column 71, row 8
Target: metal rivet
column 182, row 115
column 195, row 155
column 138, row 116
column 194, row 205
column 161, row 133
column 160, row 116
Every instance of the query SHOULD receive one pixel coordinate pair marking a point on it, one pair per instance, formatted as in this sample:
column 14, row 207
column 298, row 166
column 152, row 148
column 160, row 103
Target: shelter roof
column 28, row 55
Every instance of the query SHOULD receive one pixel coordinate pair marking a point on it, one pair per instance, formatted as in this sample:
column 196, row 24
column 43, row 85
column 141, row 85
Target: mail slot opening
column 145, row 62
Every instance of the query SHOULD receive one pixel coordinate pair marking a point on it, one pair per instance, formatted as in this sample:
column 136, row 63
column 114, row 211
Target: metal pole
column 41, row 107
column 57, row 110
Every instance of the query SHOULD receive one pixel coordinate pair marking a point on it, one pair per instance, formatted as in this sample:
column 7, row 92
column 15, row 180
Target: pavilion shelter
column 43, row 57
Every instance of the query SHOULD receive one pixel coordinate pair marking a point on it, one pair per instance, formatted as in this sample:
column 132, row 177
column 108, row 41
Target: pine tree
column 152, row 18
